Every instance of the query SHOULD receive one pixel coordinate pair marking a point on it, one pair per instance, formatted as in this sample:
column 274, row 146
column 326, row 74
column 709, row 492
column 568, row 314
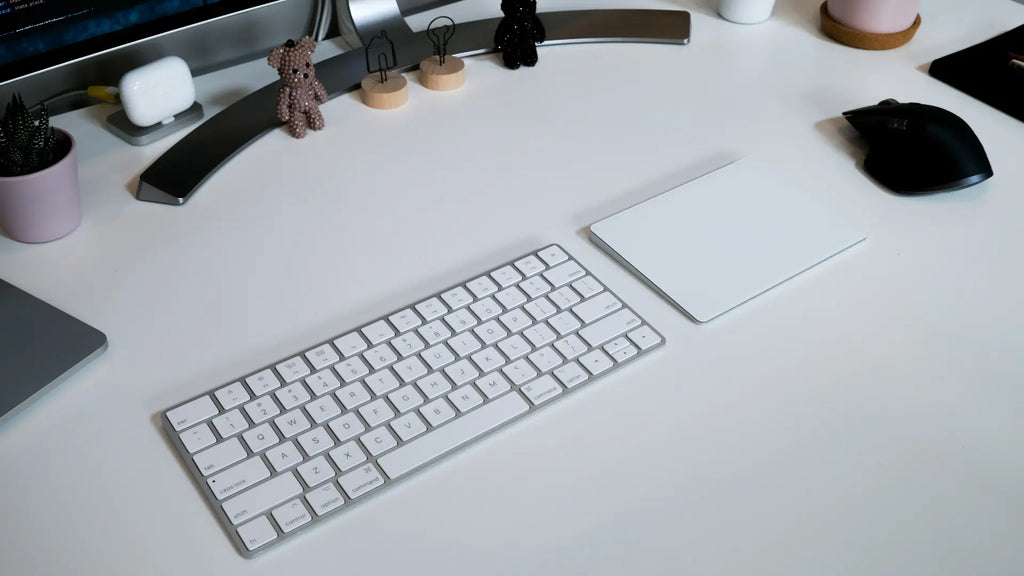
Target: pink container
column 44, row 205
column 875, row 16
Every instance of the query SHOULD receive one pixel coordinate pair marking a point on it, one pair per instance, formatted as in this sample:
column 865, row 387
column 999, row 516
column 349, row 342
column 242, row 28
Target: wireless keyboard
column 305, row 438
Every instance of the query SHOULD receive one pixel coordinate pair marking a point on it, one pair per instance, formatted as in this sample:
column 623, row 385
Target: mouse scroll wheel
column 896, row 123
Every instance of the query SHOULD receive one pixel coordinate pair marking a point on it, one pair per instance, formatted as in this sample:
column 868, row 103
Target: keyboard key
column 465, row 399
column 291, row 516
column 220, row 456
column 238, row 478
column 292, row 395
column 315, row 441
column 316, row 471
column 408, row 426
column 324, row 499
column 564, row 323
column 260, row 437
column 570, row 375
column 378, row 332
column 571, row 346
column 460, row 320
column 322, row 356
column 353, row 395
column 515, row 320
column 564, row 298
column 405, row 320
column 352, row 369
column 380, row 356
column 292, row 370
column 534, row 287
column 596, row 362
column 261, row 498
column 405, row 398
column 545, row 359
column 607, row 328
column 421, row 450
column 188, row 414
column 540, row 308
column 552, row 255
column 435, row 332
column 292, row 423
column 437, row 412
column 197, row 438
column 376, row 412
column 347, row 456
column 542, row 389
column 488, row 359
column 485, row 309
column 378, row 441
column 323, row 409
column 284, row 456
column 564, row 273
column 506, row 276
column 529, row 265
column 438, row 356
column 433, row 385
column 410, row 369
column 597, row 307
column 348, row 426
column 350, row 344
column 482, row 286
column 623, row 354
column 257, row 533
column 490, row 332
column 587, row 286
column 232, row 395
column 463, row 344
column 493, row 385
column 262, row 409
column 519, row 372
column 361, row 481
column 539, row 334
column 262, row 382
column 456, row 297
column 431, row 308
column 510, row 297
column 230, row 423
column 382, row 382
column 323, row 382
column 514, row 346
column 644, row 337
column 461, row 372
column 407, row 344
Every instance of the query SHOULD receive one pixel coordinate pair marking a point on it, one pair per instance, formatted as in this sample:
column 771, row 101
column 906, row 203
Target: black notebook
column 984, row 71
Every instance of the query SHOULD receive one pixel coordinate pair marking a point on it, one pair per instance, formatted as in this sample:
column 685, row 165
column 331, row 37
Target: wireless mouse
column 919, row 149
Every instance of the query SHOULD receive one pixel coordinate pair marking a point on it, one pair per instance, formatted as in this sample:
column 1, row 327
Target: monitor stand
column 176, row 175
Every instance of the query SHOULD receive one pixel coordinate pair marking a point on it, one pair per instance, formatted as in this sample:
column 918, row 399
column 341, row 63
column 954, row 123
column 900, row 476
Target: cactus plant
column 26, row 145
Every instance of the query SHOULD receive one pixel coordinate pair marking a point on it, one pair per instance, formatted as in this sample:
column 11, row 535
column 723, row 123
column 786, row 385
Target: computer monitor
column 51, row 47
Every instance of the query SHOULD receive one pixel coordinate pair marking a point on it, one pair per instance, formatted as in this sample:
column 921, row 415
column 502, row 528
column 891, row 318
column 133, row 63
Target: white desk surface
column 865, row 418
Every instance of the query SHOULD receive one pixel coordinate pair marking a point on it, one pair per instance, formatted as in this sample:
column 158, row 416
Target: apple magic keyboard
column 287, row 446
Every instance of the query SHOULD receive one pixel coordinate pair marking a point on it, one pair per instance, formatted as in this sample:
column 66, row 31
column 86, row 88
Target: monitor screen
column 76, row 44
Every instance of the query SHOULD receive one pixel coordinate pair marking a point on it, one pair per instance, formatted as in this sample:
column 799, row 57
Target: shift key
column 261, row 498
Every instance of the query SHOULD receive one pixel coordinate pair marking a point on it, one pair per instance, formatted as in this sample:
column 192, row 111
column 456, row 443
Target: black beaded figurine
column 301, row 93
column 519, row 32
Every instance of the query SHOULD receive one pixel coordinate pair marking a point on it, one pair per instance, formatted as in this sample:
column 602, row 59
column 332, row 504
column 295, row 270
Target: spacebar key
column 452, row 435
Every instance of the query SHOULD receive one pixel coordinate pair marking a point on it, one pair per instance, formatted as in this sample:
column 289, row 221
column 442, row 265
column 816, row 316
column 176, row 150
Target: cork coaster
column 865, row 40
column 437, row 77
column 385, row 95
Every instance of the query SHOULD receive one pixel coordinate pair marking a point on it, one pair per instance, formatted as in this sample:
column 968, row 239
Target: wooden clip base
column 450, row 76
column 385, row 95
column 865, row 40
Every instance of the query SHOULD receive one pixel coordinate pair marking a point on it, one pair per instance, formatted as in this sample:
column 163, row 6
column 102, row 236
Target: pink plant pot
column 875, row 16
column 45, row 205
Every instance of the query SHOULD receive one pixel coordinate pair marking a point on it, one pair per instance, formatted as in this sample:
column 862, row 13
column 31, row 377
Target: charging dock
column 122, row 127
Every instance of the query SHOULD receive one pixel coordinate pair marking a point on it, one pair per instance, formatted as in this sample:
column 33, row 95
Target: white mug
column 746, row 11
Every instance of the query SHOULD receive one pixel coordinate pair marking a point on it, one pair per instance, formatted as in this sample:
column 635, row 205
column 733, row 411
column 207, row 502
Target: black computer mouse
column 919, row 149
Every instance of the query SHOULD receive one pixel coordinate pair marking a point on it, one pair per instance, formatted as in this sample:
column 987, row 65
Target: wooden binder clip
column 442, row 71
column 381, row 90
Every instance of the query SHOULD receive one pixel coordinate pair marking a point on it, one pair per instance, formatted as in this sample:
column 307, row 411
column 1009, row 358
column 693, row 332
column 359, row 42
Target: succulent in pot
column 39, row 196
